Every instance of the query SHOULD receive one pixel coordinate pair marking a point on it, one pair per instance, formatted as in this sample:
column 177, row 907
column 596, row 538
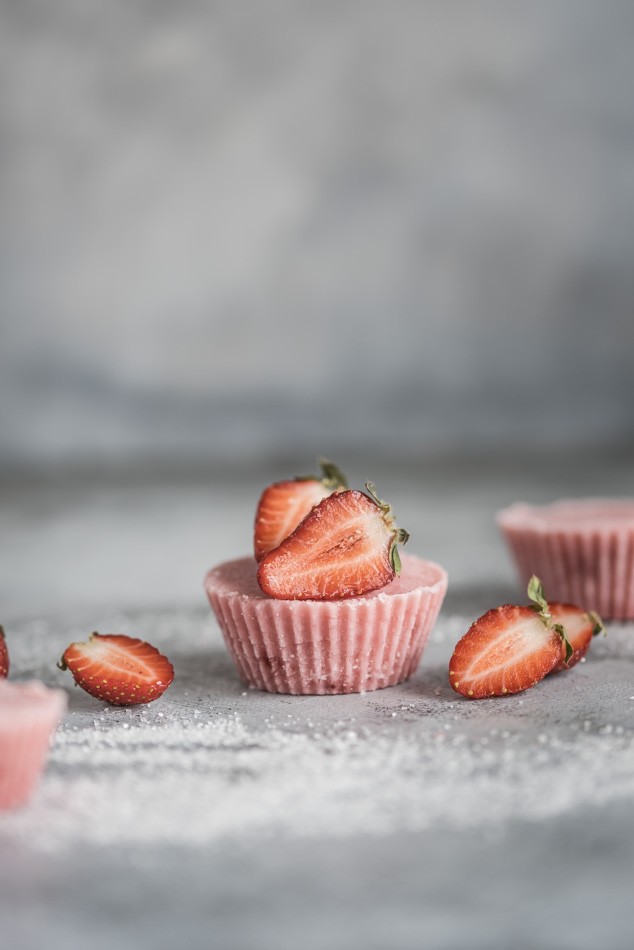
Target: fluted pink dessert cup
column 583, row 551
column 312, row 647
column 29, row 715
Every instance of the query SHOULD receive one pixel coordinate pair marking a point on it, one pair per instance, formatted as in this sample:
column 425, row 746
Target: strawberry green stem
column 598, row 625
column 331, row 476
column 536, row 593
column 400, row 535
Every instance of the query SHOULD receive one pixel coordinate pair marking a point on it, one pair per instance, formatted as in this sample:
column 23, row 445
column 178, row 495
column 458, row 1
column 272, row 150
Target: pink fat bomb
column 315, row 647
column 29, row 715
column 583, row 551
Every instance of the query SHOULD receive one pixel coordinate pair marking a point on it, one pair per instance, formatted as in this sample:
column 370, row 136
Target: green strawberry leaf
column 331, row 475
column 395, row 558
column 536, row 593
column 400, row 535
column 558, row 628
column 599, row 626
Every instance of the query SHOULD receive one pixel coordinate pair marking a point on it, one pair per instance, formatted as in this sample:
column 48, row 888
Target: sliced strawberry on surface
column 4, row 656
column 283, row 505
column 510, row 648
column 580, row 626
column 344, row 547
column 506, row 650
column 120, row 670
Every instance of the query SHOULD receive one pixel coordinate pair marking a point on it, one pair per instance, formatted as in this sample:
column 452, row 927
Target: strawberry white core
column 512, row 645
column 104, row 651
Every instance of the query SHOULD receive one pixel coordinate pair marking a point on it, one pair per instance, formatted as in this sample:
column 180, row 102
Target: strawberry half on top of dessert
column 346, row 546
column 283, row 505
column 332, row 608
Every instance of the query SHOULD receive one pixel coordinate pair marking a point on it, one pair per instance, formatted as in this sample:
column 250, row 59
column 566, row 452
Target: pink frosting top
column 577, row 514
column 239, row 577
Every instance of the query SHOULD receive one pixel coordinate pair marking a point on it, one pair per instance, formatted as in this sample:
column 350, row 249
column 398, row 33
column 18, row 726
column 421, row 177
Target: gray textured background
column 239, row 230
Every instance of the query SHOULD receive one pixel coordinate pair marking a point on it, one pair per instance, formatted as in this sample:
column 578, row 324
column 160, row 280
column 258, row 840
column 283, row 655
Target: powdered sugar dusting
column 212, row 761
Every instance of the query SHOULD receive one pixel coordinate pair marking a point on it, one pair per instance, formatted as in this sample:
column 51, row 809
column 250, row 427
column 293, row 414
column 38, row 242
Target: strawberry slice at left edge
column 4, row 656
column 120, row 670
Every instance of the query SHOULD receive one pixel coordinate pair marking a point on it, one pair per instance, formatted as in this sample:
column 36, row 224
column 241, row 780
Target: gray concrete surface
column 222, row 817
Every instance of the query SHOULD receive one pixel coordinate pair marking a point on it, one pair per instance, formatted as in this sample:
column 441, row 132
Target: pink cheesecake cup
column 29, row 715
column 311, row 647
column 583, row 551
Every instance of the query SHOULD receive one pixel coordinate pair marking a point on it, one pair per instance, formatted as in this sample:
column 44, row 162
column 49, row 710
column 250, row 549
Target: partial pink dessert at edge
column 307, row 647
column 29, row 714
column 583, row 551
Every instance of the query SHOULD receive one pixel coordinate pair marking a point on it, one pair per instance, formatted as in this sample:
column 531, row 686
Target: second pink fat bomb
column 335, row 646
column 583, row 551
column 29, row 714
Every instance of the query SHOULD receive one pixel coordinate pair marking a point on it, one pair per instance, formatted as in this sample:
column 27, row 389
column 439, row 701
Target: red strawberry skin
column 4, row 656
column 120, row 670
column 341, row 549
column 579, row 627
column 282, row 506
column 507, row 650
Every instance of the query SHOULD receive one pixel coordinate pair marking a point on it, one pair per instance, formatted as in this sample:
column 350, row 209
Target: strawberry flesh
column 4, row 656
column 120, row 670
column 507, row 650
column 342, row 548
column 281, row 508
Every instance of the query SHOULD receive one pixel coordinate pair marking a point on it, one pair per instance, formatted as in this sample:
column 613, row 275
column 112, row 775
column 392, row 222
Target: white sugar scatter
column 143, row 785
column 210, row 761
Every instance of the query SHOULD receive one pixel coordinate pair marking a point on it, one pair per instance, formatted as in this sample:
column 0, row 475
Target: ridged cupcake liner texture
column 29, row 715
column 326, row 647
column 581, row 556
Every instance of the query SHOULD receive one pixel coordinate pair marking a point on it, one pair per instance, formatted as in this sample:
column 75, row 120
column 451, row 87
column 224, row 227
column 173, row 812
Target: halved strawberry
column 283, row 505
column 580, row 626
column 509, row 648
column 506, row 650
column 344, row 547
column 120, row 670
column 4, row 656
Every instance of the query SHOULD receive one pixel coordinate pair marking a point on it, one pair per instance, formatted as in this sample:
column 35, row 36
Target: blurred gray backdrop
column 239, row 230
